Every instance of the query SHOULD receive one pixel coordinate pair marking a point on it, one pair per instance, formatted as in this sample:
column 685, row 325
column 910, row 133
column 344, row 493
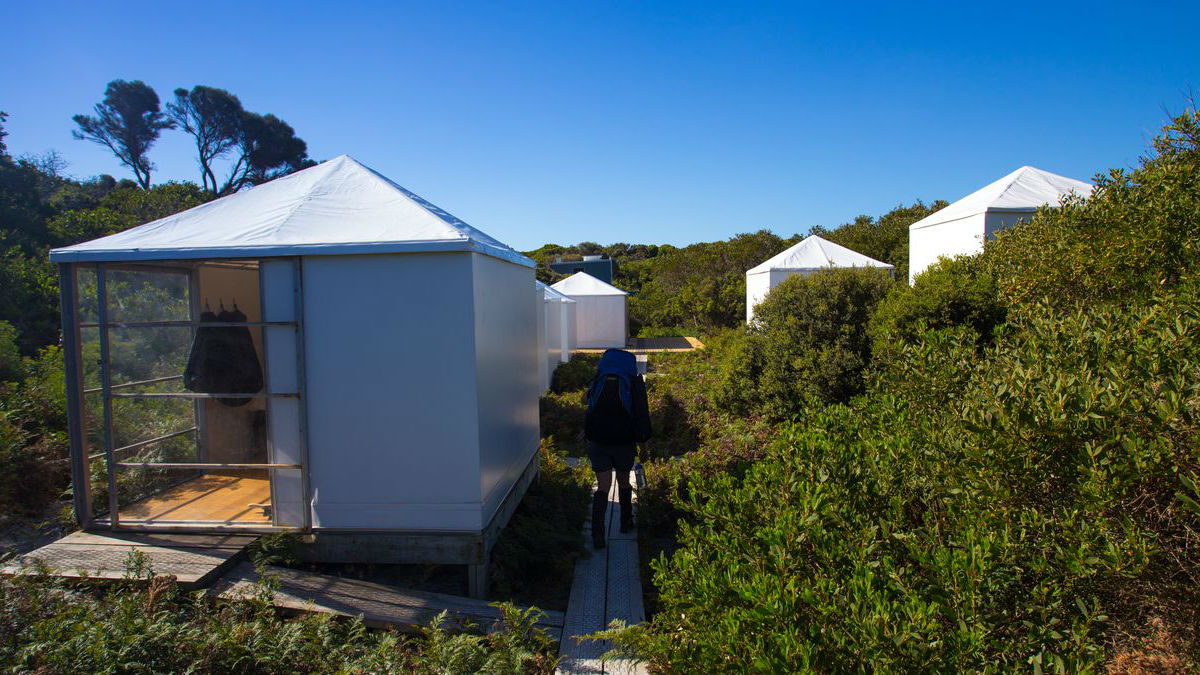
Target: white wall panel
column 507, row 358
column 600, row 321
column 543, row 338
column 393, row 411
column 571, row 343
column 757, row 286
column 957, row 237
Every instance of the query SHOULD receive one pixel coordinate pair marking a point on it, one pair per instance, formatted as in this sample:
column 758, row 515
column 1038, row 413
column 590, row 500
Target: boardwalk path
column 607, row 586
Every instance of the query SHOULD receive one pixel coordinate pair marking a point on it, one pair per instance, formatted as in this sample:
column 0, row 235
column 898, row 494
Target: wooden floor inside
column 210, row 498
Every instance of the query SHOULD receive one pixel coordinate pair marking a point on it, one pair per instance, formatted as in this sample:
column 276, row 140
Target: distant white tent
column 558, row 317
column 962, row 227
column 811, row 255
column 601, row 320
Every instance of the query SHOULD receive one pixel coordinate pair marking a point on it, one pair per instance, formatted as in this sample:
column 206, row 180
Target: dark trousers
column 606, row 460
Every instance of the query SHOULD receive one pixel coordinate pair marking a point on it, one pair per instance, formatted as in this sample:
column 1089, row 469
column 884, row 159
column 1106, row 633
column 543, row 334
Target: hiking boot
column 626, row 497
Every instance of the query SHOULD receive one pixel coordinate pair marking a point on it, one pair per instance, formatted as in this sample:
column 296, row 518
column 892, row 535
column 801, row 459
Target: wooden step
column 380, row 606
column 193, row 559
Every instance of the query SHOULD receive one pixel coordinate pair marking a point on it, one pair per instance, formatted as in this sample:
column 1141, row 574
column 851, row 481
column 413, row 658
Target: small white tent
column 398, row 357
column 811, row 255
column 601, row 320
column 962, row 227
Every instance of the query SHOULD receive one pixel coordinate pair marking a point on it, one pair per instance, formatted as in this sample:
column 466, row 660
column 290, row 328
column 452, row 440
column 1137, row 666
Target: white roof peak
column 337, row 207
column 1023, row 190
column 582, row 283
column 816, row 253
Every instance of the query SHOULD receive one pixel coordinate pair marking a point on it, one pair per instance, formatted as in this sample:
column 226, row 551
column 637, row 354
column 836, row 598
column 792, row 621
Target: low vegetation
column 150, row 625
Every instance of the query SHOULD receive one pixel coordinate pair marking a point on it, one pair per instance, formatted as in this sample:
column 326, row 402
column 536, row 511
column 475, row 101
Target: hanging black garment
column 223, row 359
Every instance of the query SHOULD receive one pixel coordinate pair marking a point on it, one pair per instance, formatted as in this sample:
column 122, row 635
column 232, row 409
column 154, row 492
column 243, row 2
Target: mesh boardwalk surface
column 194, row 559
column 607, row 586
column 380, row 606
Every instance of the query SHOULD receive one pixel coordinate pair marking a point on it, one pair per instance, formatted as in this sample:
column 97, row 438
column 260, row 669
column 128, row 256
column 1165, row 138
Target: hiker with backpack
column 617, row 419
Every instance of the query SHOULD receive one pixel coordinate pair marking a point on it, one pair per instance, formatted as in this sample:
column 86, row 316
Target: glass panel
column 85, row 289
column 153, row 359
column 135, row 295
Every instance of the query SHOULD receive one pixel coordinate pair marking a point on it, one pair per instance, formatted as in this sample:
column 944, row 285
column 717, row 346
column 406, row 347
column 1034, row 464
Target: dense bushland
column 1013, row 490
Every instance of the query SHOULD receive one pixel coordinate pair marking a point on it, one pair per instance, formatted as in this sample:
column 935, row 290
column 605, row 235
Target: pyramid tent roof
column 337, row 207
column 551, row 294
column 1021, row 191
column 816, row 253
column 582, row 283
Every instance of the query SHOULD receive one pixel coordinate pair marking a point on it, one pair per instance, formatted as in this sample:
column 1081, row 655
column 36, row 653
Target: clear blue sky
column 643, row 122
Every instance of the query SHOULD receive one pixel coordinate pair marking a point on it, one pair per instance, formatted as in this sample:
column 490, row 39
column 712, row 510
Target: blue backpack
column 610, row 414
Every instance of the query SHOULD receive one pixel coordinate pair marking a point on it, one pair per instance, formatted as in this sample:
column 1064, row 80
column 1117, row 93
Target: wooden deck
column 654, row 345
column 607, row 586
column 194, row 559
column 380, row 606
column 217, row 499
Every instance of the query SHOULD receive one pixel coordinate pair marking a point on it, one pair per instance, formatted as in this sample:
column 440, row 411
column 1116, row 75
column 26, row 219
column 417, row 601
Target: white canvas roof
column 337, row 207
column 1023, row 190
column 582, row 283
column 816, row 253
column 552, row 294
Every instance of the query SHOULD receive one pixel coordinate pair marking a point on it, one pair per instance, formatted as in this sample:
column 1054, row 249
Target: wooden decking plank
column 377, row 604
column 104, row 556
column 165, row 539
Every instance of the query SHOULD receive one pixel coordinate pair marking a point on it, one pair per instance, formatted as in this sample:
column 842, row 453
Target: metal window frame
column 75, row 391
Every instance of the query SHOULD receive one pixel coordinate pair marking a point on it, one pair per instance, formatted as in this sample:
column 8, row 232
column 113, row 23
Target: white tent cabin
column 398, row 391
column 811, row 255
column 559, row 328
column 962, row 227
column 601, row 318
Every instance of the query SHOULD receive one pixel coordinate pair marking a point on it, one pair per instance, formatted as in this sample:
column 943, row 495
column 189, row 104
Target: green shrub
column 1137, row 233
column 33, row 441
column 1033, row 524
column 575, row 374
column 10, row 354
column 534, row 559
column 809, row 342
column 953, row 292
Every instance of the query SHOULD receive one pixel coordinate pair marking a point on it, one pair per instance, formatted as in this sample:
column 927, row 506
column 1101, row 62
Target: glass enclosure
column 173, row 399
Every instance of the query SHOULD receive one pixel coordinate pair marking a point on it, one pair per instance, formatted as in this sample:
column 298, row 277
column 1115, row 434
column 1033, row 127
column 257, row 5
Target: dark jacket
column 223, row 359
column 610, row 418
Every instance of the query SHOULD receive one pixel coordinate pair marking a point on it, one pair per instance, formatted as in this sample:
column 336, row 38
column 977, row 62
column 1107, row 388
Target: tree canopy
column 127, row 122
column 265, row 146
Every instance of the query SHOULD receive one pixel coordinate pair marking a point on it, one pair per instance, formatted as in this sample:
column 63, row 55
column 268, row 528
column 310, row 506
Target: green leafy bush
column 1139, row 232
column 575, row 374
column 33, row 440
column 1029, row 523
column 953, row 292
column 809, row 342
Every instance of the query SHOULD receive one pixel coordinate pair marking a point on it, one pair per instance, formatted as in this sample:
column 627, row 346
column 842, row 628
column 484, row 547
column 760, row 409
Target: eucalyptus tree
column 128, row 122
column 256, row 147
